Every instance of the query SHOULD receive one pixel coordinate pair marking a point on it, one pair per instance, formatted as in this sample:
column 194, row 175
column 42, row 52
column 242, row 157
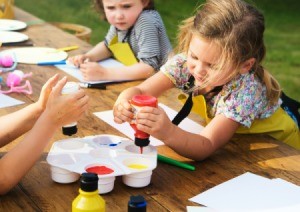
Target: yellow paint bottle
column 88, row 199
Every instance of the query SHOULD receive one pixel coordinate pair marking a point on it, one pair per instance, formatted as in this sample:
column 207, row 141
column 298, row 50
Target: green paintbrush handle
column 175, row 162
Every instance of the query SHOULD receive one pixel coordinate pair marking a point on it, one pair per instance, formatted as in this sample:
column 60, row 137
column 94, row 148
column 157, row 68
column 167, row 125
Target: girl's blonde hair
column 237, row 28
column 98, row 5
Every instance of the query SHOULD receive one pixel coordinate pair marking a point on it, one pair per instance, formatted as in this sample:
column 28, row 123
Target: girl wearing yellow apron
column 221, row 52
column 137, row 38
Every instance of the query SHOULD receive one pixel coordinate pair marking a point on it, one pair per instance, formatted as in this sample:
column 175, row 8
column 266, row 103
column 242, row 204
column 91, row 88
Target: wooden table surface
column 170, row 186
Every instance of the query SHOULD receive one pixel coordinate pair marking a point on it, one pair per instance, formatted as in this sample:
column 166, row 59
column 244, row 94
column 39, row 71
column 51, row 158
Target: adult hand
column 64, row 109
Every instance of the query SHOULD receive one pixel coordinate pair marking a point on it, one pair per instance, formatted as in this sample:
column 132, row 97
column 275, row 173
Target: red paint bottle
column 141, row 138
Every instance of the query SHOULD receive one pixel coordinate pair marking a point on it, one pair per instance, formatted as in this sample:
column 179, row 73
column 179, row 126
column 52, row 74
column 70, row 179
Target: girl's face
column 122, row 13
column 202, row 56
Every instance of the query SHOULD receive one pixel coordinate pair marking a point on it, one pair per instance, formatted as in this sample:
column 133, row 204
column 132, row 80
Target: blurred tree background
column 282, row 36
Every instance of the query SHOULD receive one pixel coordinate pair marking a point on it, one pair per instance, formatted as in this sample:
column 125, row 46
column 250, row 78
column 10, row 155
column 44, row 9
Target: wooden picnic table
column 170, row 186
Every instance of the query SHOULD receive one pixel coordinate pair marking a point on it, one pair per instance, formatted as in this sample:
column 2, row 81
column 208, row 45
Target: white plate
column 12, row 37
column 11, row 25
column 34, row 55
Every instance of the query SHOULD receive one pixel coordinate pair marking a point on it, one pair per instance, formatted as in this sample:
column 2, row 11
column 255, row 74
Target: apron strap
column 185, row 110
column 187, row 107
column 127, row 35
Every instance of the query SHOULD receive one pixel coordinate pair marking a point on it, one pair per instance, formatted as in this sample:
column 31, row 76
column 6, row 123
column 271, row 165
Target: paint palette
column 108, row 156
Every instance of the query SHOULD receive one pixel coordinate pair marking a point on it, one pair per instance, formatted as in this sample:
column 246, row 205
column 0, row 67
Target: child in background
column 42, row 118
column 137, row 38
column 222, row 50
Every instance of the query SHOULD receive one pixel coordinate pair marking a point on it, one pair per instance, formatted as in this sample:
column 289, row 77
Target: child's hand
column 78, row 60
column 45, row 92
column 122, row 112
column 64, row 109
column 155, row 122
column 92, row 71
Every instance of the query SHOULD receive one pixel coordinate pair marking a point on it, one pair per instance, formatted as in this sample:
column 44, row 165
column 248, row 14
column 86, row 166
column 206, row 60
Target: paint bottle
column 88, row 198
column 141, row 139
column 70, row 87
column 137, row 204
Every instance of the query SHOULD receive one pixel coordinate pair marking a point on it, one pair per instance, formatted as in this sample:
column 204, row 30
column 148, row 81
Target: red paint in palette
column 100, row 170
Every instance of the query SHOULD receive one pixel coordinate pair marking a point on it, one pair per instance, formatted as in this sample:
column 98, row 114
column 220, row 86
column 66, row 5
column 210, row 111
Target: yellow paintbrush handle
column 68, row 48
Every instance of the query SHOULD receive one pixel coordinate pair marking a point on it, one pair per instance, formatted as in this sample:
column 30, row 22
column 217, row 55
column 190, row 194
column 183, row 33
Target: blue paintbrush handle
column 63, row 62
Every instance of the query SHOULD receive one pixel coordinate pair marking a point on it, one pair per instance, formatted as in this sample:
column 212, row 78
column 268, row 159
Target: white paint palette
column 106, row 155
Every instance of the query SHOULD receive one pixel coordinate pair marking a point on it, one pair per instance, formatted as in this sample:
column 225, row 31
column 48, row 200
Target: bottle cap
column 137, row 204
column 69, row 130
column 89, row 182
column 144, row 100
column 141, row 142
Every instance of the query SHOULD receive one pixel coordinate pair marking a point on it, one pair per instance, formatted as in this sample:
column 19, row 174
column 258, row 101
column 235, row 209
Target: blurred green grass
column 282, row 36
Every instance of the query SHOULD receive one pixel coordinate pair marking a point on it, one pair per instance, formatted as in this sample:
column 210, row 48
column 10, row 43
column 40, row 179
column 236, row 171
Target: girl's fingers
column 118, row 121
column 148, row 113
column 121, row 114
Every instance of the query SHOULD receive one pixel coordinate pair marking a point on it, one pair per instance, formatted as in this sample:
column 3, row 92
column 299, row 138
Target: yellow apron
column 7, row 9
column 122, row 52
column 279, row 126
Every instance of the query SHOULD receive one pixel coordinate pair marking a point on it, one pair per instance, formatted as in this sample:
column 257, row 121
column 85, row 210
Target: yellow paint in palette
column 137, row 166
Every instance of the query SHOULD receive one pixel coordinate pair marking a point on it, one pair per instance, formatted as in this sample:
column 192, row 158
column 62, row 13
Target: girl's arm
column 195, row 146
column 198, row 147
column 60, row 110
column 154, row 86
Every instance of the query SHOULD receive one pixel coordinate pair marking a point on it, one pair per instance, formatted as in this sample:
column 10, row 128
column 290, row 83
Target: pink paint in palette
column 108, row 156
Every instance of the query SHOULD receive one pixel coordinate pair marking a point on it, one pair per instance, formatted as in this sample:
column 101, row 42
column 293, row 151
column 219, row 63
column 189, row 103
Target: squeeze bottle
column 141, row 138
column 88, row 199
column 71, row 128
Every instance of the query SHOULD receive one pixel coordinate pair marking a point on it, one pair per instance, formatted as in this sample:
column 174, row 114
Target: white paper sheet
column 7, row 101
column 250, row 192
column 125, row 128
column 199, row 209
column 75, row 72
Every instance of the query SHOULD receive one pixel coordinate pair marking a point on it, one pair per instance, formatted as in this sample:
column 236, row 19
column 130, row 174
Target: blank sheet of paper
column 199, row 209
column 7, row 101
column 125, row 128
column 75, row 72
column 250, row 192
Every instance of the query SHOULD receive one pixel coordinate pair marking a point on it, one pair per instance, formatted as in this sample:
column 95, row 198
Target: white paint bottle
column 70, row 87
